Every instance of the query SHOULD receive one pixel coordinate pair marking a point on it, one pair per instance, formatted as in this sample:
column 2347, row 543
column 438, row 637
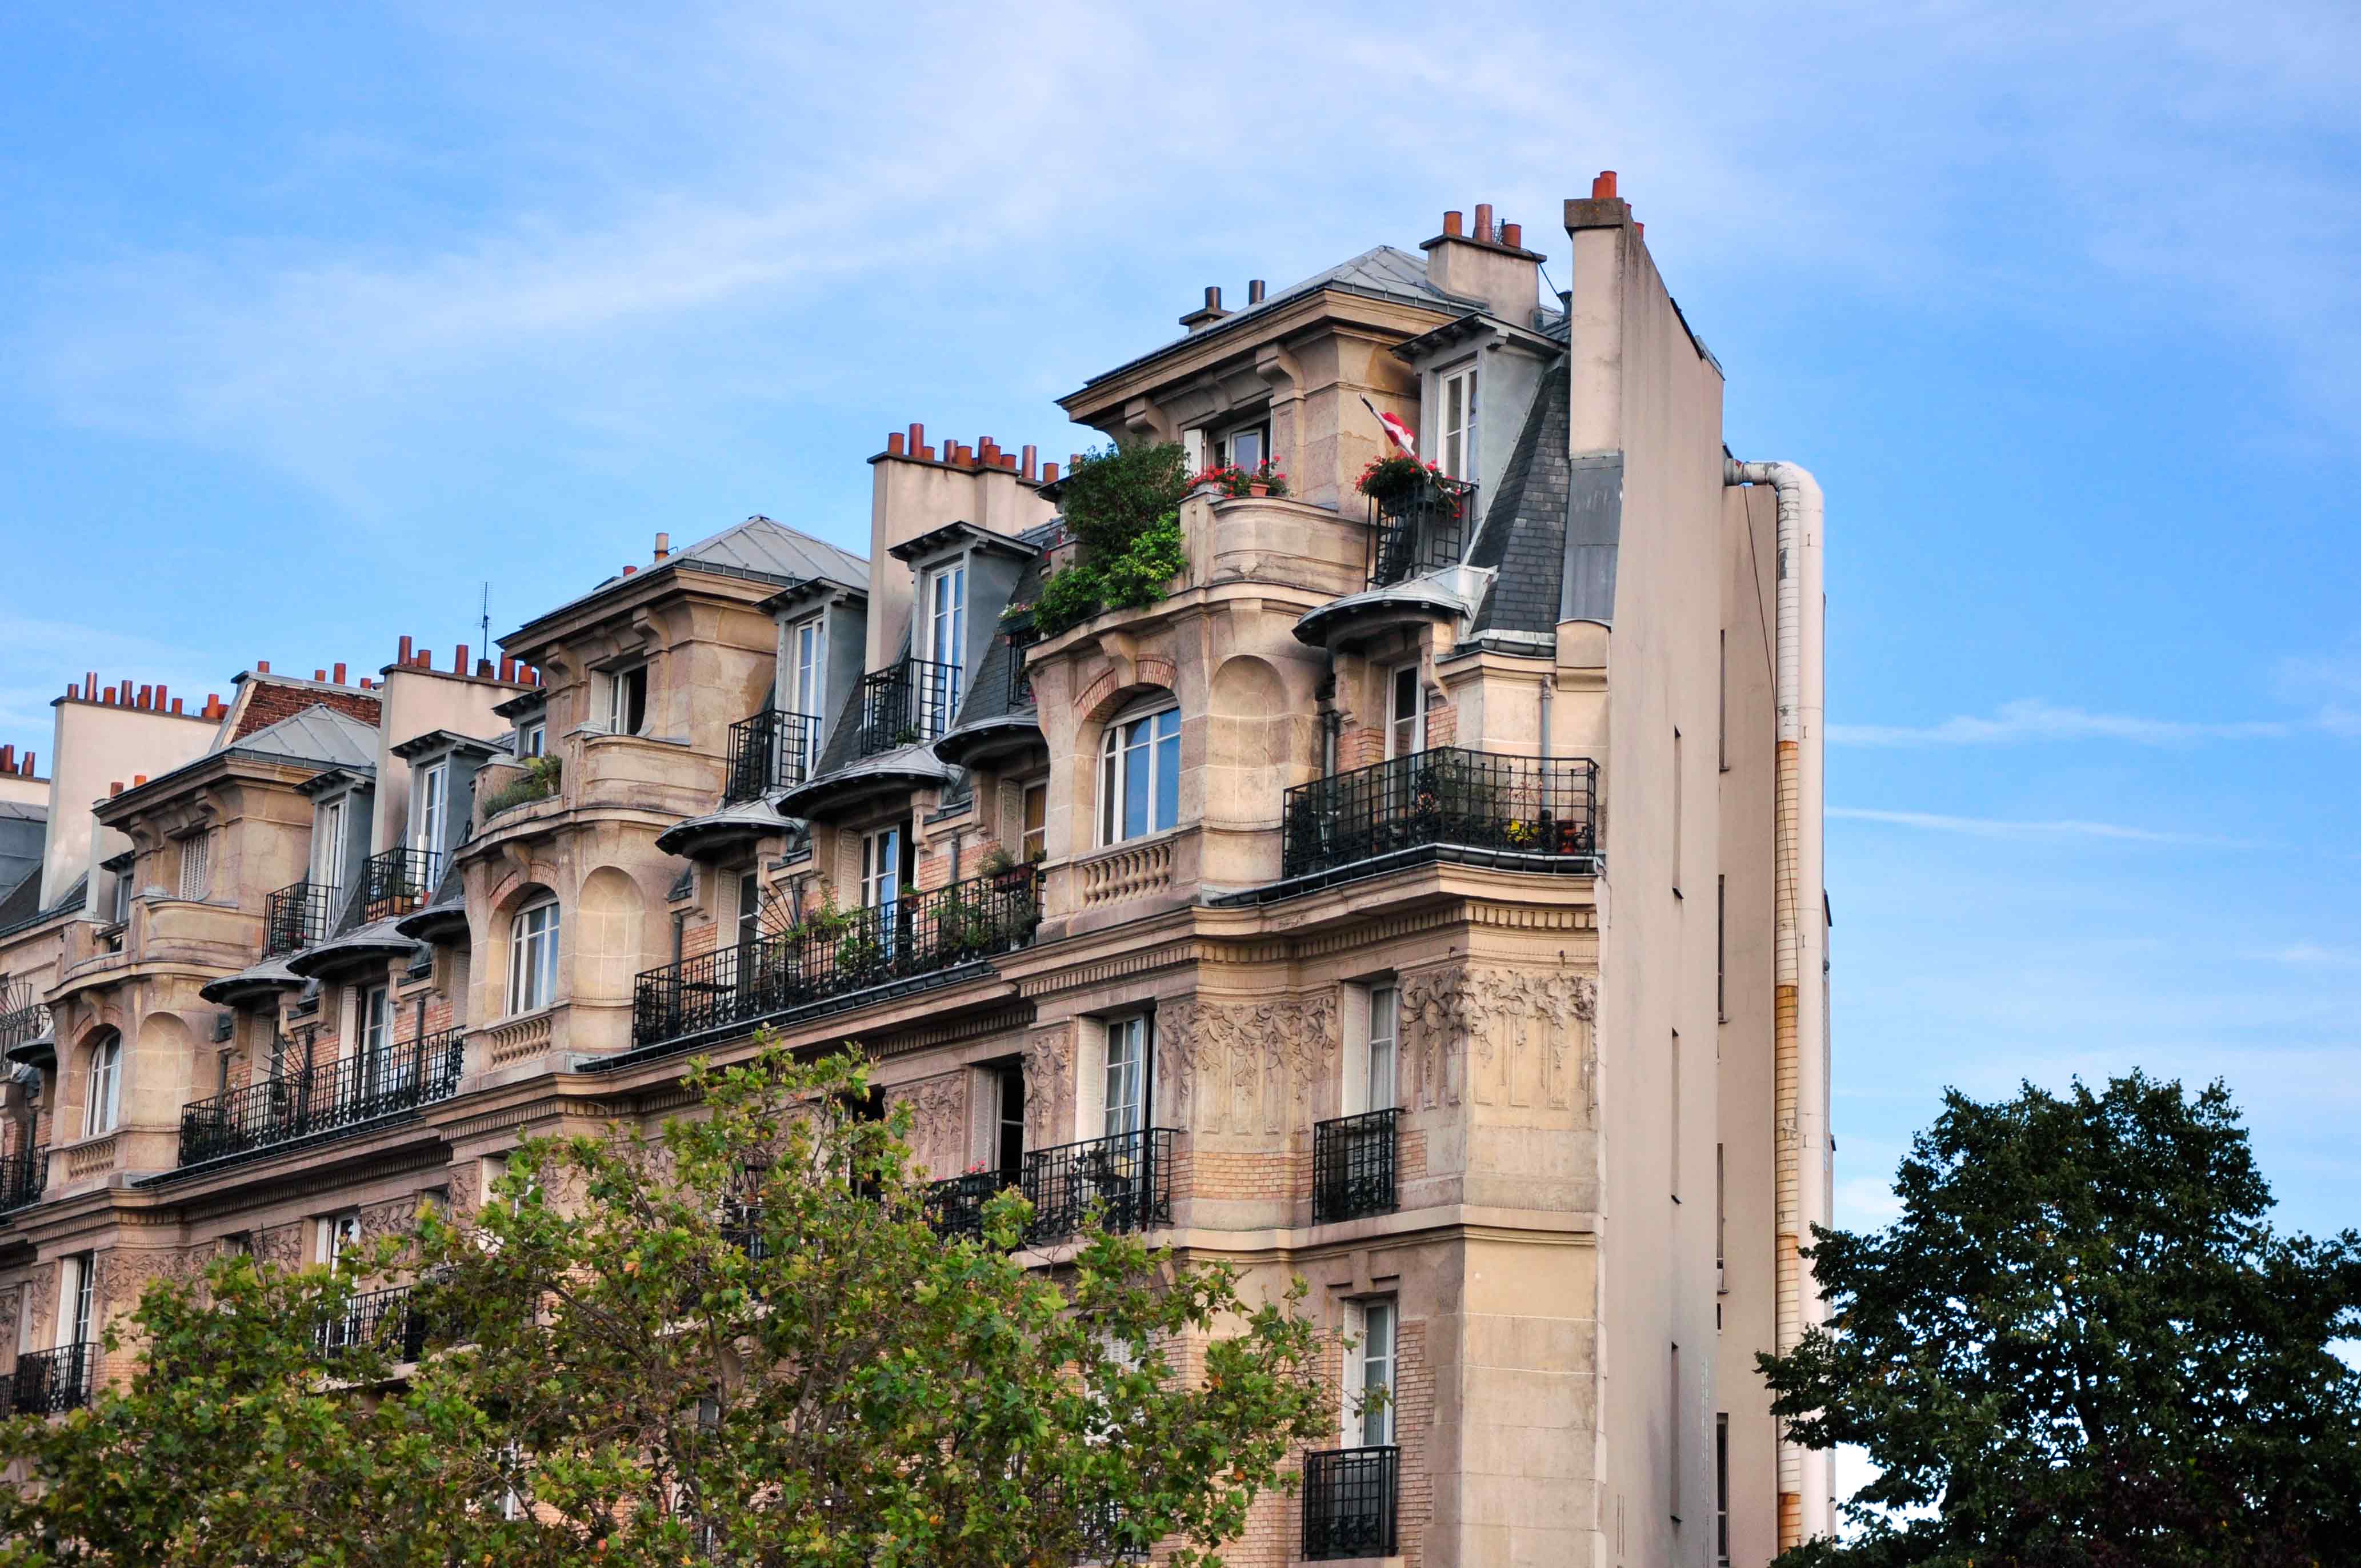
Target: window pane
column 1376, row 1373
column 1125, row 1043
column 1136, row 790
column 1168, row 772
column 1036, row 837
column 1381, row 1049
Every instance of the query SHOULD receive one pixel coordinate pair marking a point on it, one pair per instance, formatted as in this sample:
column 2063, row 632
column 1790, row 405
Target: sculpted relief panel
column 937, row 1122
column 1500, row 1037
column 1248, row 1066
column 1049, row 1086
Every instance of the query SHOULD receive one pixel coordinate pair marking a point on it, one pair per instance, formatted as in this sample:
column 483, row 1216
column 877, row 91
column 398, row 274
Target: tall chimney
column 663, row 546
column 1254, row 290
column 340, row 675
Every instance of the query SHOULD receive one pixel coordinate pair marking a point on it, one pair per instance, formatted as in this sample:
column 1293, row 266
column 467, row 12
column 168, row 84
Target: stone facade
column 1406, row 940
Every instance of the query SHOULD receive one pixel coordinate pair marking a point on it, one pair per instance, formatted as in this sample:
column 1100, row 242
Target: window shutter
column 193, row 855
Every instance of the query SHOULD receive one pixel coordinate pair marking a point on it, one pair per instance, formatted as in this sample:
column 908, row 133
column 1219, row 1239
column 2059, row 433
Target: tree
column 737, row 1341
column 2082, row 1344
column 1123, row 505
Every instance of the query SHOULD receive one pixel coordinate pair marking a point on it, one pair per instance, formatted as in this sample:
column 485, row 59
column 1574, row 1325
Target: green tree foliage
column 735, row 1342
column 1123, row 505
column 2083, row 1345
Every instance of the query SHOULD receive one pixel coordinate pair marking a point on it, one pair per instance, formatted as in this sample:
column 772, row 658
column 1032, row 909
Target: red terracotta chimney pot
column 403, row 657
column 1603, row 188
column 1450, row 225
column 1484, row 222
column 114, row 789
column 340, row 675
column 1049, row 473
column 894, row 444
column 1513, row 236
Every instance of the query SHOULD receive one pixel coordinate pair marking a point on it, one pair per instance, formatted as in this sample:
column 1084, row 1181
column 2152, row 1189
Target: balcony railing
column 772, row 749
column 322, row 1100
column 384, row 1318
column 914, row 701
column 1020, row 673
column 1425, row 531
column 916, row 936
column 1348, row 1502
column 1353, row 1166
column 1127, row 1176
column 955, row 1206
column 297, row 915
column 23, row 1175
column 23, row 1016
column 51, row 1382
column 1533, row 813
column 398, row 882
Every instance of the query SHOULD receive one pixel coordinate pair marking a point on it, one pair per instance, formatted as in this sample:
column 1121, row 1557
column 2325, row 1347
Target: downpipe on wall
column 1800, row 1030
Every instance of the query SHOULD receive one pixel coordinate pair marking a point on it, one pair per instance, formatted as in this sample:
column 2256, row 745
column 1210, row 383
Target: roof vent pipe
column 1254, row 290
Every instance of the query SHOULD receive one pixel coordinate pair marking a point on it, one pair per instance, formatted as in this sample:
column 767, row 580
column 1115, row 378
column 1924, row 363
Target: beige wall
column 1642, row 390
column 910, row 496
column 415, row 701
column 1746, row 1099
column 95, row 744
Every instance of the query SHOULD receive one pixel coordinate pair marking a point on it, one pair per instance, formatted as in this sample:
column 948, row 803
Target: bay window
column 1139, row 776
column 532, row 957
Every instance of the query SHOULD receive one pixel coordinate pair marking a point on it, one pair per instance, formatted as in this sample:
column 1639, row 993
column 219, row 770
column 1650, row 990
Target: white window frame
column 328, row 854
column 619, row 688
column 532, row 957
column 806, row 667
column 1375, row 1362
column 78, row 1299
column 1455, row 450
column 532, row 737
column 1116, row 744
column 1415, row 674
column 1032, row 843
column 1228, row 445
column 938, row 619
column 1381, row 1053
column 103, row 1089
column 881, row 866
column 196, row 865
column 1126, row 1055
column 432, row 816
column 334, row 1234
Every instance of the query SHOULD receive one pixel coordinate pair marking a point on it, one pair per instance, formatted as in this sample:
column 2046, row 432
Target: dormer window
column 803, row 680
column 627, row 700
column 532, row 736
column 1457, row 449
column 946, row 607
column 433, row 808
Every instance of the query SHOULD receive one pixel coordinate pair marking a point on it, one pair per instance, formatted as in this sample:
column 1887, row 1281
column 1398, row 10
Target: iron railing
column 387, row 1319
column 1353, row 1166
column 955, row 1206
column 323, row 1099
column 772, row 749
column 297, row 915
column 23, row 1175
column 51, row 1382
column 1127, row 1176
column 23, row 1016
column 396, row 882
column 1424, row 530
column 1020, row 674
column 916, row 934
column 915, row 700
column 1448, row 803
column 1348, row 1502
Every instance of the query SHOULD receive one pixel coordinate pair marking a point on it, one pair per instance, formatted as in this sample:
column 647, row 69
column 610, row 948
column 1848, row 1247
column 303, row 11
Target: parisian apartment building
column 1423, row 898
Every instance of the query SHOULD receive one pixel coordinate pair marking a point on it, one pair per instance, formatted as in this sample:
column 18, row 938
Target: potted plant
column 1395, row 478
column 1006, row 873
column 1266, row 480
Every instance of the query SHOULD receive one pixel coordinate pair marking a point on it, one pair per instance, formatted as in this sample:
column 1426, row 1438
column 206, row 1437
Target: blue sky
column 316, row 318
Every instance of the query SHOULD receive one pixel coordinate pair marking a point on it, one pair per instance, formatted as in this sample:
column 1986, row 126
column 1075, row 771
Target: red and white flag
column 1396, row 431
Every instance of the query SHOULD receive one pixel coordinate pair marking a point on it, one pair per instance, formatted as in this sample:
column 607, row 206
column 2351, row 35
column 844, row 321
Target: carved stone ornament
column 1248, row 1066
column 1499, row 1036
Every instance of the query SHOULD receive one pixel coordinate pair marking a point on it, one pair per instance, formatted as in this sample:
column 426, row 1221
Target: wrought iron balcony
column 915, row 700
column 1525, row 813
column 324, row 1100
column 23, row 1175
column 1348, row 1502
column 1425, row 531
column 955, row 1206
column 772, row 749
column 387, row 1319
column 51, row 1382
column 838, row 955
column 23, row 1015
column 398, row 882
column 1127, row 1176
column 1353, row 1166
column 297, row 915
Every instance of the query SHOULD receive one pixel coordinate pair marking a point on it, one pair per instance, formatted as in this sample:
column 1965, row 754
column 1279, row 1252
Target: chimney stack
column 460, row 661
column 1484, row 222
column 663, row 546
column 1602, row 189
column 340, row 675
column 1049, row 473
column 1198, row 320
column 1254, row 290
column 262, row 666
column 1486, row 263
column 403, row 656
column 894, row 444
column 114, row 788
column 1032, row 461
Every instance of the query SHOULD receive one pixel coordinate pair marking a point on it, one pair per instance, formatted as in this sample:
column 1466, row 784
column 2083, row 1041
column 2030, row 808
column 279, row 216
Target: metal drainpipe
column 1800, row 1031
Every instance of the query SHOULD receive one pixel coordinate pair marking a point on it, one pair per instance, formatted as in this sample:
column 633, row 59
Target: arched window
column 1139, row 775
column 533, row 955
column 104, row 1098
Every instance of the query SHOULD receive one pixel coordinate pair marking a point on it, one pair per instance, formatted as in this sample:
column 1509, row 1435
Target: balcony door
column 885, row 868
column 1379, row 1075
column 1370, row 1375
column 1126, row 1101
column 433, row 814
column 77, row 1323
column 806, row 693
column 938, row 694
column 328, row 846
column 1456, row 452
column 1405, row 711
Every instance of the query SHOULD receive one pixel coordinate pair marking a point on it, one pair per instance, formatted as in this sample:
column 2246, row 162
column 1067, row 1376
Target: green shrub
column 538, row 781
column 1123, row 505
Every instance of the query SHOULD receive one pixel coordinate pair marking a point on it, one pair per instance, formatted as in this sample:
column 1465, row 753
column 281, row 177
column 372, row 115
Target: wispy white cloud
column 2031, row 718
column 43, row 657
column 2312, row 955
column 2004, row 827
